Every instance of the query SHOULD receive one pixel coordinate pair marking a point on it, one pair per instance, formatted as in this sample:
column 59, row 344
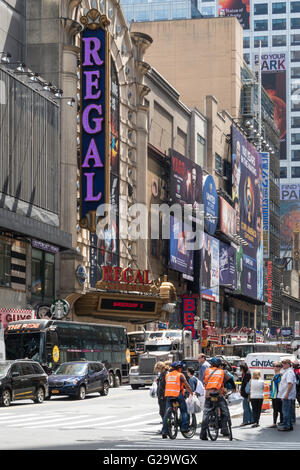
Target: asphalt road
column 124, row 420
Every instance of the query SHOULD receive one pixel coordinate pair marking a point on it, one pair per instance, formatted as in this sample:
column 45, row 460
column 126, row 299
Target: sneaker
column 255, row 425
column 284, row 429
column 164, row 436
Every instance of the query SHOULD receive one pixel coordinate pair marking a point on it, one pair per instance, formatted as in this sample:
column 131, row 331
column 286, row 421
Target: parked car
column 22, row 380
column 78, row 379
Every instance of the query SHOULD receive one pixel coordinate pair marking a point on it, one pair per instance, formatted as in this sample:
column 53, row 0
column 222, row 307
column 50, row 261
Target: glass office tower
column 157, row 10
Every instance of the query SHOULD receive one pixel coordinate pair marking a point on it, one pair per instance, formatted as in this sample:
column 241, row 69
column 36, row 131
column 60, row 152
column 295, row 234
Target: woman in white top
column 257, row 386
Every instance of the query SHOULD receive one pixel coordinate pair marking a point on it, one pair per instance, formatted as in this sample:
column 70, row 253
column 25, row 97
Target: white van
column 264, row 362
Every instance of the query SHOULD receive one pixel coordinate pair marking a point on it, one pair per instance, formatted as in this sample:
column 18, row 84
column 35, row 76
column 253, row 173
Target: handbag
column 247, row 388
column 153, row 390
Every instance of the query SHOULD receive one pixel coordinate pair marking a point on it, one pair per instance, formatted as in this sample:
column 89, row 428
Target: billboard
column 238, row 8
column 181, row 259
column 289, row 213
column 265, row 162
column 209, row 276
column 247, row 197
column 273, row 76
column 94, row 122
column 186, row 180
column 227, row 218
column 211, row 204
column 227, row 264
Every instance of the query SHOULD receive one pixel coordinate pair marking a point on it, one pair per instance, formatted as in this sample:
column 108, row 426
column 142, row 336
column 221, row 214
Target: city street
column 124, row 420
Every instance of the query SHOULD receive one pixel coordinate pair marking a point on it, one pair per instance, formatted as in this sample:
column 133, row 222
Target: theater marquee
column 95, row 110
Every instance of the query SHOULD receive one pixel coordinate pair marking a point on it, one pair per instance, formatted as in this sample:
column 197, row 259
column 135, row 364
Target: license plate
column 148, row 381
column 54, row 391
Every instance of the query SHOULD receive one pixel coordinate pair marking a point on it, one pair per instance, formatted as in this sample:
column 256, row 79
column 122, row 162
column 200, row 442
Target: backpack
column 199, row 388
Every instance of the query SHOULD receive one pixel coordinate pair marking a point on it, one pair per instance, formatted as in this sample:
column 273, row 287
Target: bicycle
column 173, row 419
column 214, row 418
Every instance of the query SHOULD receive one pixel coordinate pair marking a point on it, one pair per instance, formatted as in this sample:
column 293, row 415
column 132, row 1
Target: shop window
column 240, row 318
column 5, row 263
column 246, row 319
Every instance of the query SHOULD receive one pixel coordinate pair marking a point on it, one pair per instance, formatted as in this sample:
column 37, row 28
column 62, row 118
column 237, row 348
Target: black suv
column 22, row 380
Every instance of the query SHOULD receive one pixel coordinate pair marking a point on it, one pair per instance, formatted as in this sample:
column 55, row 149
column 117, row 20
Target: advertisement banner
column 227, row 218
column 8, row 315
column 189, row 311
column 238, row 8
column 94, row 121
column 210, row 268
column 289, row 213
column 186, row 180
column 227, row 263
column 265, row 162
column 211, row 204
column 181, row 259
column 273, row 75
column 247, row 197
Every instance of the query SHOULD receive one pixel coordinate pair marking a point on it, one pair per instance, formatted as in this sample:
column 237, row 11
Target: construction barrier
column 267, row 402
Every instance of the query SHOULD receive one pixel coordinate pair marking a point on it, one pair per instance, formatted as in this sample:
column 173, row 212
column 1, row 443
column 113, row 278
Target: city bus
column 52, row 342
column 243, row 349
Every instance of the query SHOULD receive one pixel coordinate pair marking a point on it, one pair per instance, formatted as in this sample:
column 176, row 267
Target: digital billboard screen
column 238, row 8
column 209, row 279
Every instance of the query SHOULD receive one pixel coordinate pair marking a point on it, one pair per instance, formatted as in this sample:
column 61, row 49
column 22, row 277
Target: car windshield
column 155, row 347
column 71, row 369
column 3, row 368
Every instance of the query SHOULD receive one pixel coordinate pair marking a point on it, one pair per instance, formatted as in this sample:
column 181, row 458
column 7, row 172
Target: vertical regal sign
column 95, row 116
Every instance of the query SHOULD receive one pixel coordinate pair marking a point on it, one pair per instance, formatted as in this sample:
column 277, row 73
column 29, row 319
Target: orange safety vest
column 173, row 384
column 214, row 378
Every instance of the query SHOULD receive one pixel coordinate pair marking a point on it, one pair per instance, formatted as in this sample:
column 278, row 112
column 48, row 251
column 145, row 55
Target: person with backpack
column 214, row 379
column 276, row 402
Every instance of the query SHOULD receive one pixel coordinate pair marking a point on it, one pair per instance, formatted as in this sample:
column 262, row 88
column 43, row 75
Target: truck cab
column 163, row 345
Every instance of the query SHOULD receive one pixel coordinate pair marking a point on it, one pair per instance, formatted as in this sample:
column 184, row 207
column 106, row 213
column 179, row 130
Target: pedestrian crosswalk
column 72, row 421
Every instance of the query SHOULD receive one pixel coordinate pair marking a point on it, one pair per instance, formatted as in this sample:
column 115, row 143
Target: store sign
column 8, row 315
column 95, row 108
column 189, row 311
column 125, row 305
column 128, row 279
column 211, row 204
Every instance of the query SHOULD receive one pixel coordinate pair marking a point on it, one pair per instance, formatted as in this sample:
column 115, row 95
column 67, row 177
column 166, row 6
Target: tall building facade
column 156, row 10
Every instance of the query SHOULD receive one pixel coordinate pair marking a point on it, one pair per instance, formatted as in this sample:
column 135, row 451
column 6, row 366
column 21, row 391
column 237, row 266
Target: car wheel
column 135, row 387
column 81, row 393
column 40, row 396
column 6, row 398
column 105, row 390
column 111, row 379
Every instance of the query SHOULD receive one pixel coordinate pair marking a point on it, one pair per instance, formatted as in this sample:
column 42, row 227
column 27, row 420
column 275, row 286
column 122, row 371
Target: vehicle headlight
column 72, row 381
column 134, row 370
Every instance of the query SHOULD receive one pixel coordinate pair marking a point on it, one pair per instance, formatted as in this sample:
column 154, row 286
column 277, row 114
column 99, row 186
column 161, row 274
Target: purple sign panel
column 248, row 200
column 95, row 67
column 227, row 265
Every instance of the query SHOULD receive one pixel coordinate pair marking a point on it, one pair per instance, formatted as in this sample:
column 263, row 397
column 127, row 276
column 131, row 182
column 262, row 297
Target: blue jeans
column 183, row 411
column 287, row 412
column 248, row 415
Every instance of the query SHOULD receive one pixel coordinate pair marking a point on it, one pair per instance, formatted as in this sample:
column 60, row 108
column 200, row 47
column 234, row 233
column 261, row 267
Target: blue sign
column 211, row 204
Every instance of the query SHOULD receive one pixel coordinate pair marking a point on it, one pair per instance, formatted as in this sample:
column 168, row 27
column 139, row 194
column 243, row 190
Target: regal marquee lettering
column 94, row 120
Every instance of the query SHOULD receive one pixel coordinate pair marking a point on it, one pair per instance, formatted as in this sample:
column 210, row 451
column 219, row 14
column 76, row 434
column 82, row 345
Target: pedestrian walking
column 203, row 365
column 192, row 380
column 257, row 386
column 287, row 393
column 276, row 402
column 162, row 369
column 296, row 367
column 245, row 393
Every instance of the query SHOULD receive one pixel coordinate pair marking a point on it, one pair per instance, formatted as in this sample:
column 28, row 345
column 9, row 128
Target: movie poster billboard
column 186, row 180
column 273, row 77
column 210, row 204
column 247, row 197
column 227, row 218
column 289, row 213
column 181, row 259
column 227, row 265
column 210, row 268
column 265, row 162
column 238, row 8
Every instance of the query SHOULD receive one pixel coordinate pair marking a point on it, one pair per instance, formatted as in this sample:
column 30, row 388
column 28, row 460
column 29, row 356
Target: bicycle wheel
column 213, row 426
column 172, row 423
column 192, row 427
